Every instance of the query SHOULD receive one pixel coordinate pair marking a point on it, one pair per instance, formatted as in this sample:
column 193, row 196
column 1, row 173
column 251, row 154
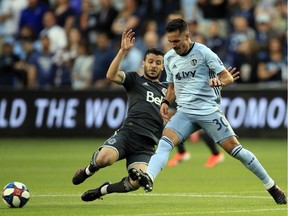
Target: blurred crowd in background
column 71, row 43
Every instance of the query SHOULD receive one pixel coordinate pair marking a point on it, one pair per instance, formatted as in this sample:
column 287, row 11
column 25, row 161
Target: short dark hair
column 154, row 51
column 176, row 25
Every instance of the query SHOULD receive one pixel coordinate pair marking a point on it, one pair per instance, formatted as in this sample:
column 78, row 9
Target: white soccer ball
column 15, row 195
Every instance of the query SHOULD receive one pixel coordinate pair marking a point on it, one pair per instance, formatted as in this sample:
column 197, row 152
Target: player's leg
column 249, row 160
column 125, row 185
column 100, row 159
column 216, row 156
column 138, row 151
column 169, row 138
column 107, row 154
column 222, row 133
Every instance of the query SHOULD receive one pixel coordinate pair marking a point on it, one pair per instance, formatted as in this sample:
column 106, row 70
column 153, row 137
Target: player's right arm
column 114, row 74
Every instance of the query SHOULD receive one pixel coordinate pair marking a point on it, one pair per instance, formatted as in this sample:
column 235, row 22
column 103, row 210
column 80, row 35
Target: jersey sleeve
column 129, row 79
column 213, row 61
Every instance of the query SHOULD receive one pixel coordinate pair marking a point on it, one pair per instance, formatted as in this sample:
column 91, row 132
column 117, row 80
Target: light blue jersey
column 191, row 74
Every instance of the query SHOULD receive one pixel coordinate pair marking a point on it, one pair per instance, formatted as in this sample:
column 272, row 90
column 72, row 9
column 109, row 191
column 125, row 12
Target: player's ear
column 143, row 63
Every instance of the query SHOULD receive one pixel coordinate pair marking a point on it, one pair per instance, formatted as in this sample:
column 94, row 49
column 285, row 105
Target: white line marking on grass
column 205, row 213
column 163, row 195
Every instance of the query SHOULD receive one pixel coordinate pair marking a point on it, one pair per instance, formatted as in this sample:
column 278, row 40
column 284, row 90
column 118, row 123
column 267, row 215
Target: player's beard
column 151, row 77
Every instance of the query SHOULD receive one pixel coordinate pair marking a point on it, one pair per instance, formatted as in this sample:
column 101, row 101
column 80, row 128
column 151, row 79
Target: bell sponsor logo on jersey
column 150, row 97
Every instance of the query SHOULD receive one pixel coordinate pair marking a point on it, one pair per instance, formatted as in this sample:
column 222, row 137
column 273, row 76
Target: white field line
column 217, row 195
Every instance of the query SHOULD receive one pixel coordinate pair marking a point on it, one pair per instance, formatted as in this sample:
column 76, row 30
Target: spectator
column 133, row 61
column 158, row 10
column 74, row 40
column 10, row 75
column 216, row 42
column 279, row 17
column 10, row 15
column 163, row 40
column 105, row 17
column 193, row 28
column 32, row 16
column 40, row 71
column 190, row 9
column 103, row 56
column 213, row 10
column 65, row 15
column 128, row 18
column 56, row 34
column 25, row 43
column 264, row 31
column 82, row 68
column 85, row 21
column 247, row 60
column 149, row 37
column 246, row 8
column 241, row 32
column 64, row 59
column 272, row 68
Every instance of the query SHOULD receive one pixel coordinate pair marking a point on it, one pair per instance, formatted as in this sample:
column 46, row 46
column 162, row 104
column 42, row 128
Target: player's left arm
column 225, row 78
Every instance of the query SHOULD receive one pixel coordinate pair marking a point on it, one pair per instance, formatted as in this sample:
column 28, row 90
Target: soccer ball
column 15, row 195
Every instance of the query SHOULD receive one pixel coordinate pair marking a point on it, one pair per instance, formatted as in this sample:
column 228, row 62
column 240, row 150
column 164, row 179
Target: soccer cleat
column 178, row 158
column 213, row 160
column 93, row 194
column 277, row 194
column 144, row 180
column 80, row 176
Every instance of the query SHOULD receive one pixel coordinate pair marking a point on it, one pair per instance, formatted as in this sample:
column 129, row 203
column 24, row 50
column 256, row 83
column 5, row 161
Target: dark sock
column 181, row 148
column 122, row 186
column 210, row 143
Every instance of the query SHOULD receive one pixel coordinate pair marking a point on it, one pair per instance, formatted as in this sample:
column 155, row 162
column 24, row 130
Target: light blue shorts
column 215, row 125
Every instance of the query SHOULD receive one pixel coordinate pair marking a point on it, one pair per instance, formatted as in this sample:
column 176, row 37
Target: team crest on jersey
column 193, row 62
column 111, row 141
column 164, row 90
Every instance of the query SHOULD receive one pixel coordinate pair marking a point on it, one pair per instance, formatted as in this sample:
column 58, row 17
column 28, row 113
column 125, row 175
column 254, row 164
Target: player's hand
column 234, row 73
column 215, row 82
column 128, row 40
column 164, row 112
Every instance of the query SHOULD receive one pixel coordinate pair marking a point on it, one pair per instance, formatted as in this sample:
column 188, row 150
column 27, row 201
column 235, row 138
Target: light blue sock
column 160, row 158
column 250, row 162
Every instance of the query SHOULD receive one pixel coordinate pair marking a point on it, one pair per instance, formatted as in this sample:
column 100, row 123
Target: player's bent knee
column 171, row 134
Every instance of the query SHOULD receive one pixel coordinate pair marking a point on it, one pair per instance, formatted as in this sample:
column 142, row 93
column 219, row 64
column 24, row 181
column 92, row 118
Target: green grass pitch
column 46, row 166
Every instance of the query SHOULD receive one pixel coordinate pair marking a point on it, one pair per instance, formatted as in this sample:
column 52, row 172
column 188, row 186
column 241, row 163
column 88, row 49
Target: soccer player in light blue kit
column 195, row 75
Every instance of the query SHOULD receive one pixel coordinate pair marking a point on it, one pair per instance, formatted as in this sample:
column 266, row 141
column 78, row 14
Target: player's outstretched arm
column 127, row 41
column 225, row 78
column 235, row 74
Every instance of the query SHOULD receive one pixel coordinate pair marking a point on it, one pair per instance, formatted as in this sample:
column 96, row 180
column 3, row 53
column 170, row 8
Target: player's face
column 153, row 66
column 179, row 41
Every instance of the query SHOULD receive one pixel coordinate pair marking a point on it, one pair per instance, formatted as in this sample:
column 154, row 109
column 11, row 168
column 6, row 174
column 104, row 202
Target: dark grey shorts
column 131, row 146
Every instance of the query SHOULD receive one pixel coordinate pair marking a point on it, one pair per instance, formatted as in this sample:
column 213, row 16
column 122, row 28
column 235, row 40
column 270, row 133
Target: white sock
column 87, row 171
column 103, row 190
column 269, row 184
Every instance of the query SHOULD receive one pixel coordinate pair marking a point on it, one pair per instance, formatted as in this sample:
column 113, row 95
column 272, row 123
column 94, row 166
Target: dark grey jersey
column 144, row 100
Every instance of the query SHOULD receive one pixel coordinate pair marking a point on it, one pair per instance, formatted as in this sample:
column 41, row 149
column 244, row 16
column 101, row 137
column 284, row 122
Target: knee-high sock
column 250, row 161
column 160, row 158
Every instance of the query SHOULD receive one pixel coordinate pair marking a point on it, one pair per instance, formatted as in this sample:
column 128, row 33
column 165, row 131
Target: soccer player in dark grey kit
column 135, row 141
column 195, row 75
